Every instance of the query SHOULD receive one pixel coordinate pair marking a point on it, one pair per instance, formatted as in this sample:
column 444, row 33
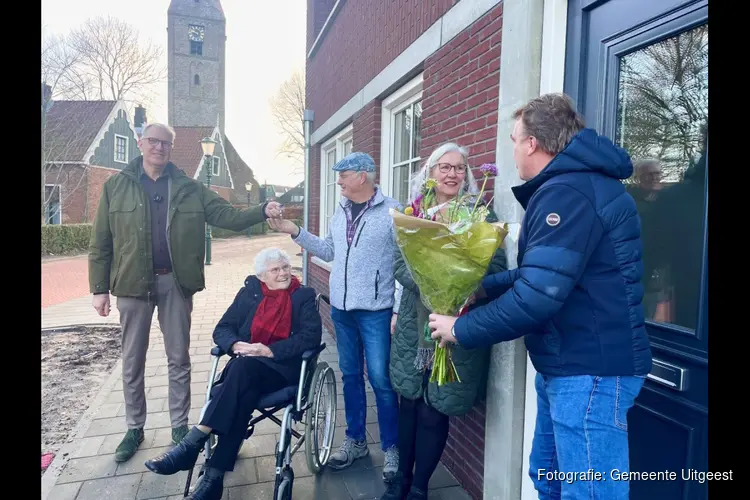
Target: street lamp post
column 208, row 145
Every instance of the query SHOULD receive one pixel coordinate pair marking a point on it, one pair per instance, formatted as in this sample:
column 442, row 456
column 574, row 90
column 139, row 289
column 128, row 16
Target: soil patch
column 75, row 363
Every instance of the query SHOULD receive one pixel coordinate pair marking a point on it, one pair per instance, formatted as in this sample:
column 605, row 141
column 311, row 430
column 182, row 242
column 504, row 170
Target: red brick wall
column 72, row 179
column 460, row 103
column 366, row 130
column 97, row 176
column 365, row 37
column 461, row 86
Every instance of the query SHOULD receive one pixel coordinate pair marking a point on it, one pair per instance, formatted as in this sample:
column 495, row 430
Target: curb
column 49, row 478
column 70, row 328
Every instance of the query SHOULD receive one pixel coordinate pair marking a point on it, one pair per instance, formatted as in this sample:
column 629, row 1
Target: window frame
column 215, row 166
column 127, row 147
column 409, row 94
column 338, row 144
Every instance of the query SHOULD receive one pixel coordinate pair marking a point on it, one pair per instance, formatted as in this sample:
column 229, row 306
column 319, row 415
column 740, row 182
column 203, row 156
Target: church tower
column 196, row 46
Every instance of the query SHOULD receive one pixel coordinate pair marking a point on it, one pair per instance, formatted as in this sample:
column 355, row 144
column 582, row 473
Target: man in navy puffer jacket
column 575, row 297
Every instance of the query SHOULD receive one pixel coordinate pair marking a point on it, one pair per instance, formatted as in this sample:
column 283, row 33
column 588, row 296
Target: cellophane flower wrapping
column 447, row 263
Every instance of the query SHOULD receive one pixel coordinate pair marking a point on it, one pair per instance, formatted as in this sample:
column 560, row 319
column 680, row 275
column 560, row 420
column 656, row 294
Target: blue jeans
column 369, row 333
column 581, row 437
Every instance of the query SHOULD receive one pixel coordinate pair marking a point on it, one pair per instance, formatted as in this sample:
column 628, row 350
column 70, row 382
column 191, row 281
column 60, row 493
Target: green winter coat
column 120, row 257
column 452, row 399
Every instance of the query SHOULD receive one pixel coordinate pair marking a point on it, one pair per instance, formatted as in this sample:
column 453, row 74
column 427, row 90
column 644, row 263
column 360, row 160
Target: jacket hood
column 586, row 152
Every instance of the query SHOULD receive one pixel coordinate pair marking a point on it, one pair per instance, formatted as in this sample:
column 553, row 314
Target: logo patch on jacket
column 553, row 219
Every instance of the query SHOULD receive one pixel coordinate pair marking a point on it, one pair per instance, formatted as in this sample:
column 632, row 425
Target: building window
column 121, row 149
column 215, row 166
column 196, row 48
column 331, row 152
column 401, row 139
column 196, row 80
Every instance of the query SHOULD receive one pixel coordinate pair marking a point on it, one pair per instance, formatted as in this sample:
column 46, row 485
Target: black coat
column 306, row 334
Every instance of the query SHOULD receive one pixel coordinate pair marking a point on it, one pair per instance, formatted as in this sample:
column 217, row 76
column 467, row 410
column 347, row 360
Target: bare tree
column 287, row 108
column 102, row 59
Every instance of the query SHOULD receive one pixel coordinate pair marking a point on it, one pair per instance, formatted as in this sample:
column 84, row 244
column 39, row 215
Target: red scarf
column 273, row 318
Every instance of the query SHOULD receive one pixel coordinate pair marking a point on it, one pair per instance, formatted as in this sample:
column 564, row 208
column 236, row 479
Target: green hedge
column 63, row 239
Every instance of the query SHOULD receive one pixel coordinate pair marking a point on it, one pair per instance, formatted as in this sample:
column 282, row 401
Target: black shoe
column 416, row 494
column 208, row 488
column 181, row 457
column 397, row 488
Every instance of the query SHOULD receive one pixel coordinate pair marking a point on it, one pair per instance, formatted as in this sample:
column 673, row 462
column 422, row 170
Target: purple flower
column 488, row 169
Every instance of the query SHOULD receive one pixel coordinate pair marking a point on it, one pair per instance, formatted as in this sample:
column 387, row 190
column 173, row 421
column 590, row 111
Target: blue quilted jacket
column 576, row 293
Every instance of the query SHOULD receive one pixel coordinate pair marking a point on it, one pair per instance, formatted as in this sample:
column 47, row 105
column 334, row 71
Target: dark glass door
column 638, row 71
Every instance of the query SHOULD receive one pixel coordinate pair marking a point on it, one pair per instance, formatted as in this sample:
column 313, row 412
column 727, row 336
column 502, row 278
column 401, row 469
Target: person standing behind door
column 147, row 249
column 360, row 243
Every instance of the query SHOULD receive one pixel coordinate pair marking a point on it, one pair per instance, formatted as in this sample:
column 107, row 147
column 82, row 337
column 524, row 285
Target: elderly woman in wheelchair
column 271, row 323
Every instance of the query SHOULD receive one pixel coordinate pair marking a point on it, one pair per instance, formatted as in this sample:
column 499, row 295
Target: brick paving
column 89, row 471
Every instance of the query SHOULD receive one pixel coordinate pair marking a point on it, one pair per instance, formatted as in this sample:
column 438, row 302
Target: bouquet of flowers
column 448, row 258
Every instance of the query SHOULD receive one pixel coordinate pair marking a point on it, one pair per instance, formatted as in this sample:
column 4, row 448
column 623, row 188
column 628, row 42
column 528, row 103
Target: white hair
column 469, row 186
column 162, row 126
column 269, row 255
column 370, row 177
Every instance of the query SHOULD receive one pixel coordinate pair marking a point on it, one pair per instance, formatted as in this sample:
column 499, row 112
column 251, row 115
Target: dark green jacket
column 120, row 257
column 472, row 364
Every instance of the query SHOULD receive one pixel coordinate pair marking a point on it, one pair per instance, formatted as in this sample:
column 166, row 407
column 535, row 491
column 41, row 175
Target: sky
column 265, row 45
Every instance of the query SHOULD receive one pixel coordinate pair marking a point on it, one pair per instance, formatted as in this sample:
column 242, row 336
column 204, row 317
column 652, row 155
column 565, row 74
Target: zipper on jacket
column 360, row 232
column 377, row 279
column 346, row 272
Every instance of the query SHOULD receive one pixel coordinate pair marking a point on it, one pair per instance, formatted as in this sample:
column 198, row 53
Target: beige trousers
column 174, row 313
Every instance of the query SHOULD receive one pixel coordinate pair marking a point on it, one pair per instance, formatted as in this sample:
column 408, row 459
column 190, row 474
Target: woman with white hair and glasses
column 271, row 323
column 424, row 408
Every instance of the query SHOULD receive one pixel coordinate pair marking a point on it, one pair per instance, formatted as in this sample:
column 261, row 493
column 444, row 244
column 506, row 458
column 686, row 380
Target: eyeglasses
column 446, row 167
column 276, row 270
column 153, row 141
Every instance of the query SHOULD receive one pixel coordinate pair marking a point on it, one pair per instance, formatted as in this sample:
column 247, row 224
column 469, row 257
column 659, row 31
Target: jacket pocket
column 377, row 280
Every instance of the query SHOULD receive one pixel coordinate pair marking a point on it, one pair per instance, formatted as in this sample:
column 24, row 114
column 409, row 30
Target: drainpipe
column 307, row 120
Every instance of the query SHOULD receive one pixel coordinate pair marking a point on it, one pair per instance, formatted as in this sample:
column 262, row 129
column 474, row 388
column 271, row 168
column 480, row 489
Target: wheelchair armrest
column 217, row 351
column 308, row 355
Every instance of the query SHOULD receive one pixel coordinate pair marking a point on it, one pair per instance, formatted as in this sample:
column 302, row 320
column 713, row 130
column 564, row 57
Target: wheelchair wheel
column 320, row 417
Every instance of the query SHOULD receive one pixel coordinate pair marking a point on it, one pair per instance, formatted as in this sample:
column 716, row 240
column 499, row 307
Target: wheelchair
column 313, row 397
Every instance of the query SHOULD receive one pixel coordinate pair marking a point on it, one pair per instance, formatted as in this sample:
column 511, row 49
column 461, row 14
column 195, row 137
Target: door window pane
column 662, row 121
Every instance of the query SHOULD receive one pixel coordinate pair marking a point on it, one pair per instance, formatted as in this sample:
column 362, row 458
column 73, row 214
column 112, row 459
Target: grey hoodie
column 361, row 274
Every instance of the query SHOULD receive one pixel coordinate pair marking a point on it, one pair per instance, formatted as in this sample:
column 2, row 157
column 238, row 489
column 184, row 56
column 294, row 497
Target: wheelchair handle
column 324, row 298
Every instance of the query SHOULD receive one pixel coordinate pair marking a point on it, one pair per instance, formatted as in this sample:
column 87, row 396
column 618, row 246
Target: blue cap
column 358, row 162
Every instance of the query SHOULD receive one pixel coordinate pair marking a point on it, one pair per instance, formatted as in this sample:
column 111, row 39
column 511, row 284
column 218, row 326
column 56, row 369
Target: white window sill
column 321, row 263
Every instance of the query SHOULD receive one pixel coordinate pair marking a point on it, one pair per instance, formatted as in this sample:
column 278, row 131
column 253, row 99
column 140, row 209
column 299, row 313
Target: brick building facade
column 396, row 80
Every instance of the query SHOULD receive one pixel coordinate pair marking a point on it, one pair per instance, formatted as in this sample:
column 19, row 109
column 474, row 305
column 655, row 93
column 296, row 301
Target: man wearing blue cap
column 360, row 243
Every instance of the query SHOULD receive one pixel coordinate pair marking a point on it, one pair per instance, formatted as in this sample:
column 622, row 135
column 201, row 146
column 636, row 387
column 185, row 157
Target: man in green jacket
column 147, row 249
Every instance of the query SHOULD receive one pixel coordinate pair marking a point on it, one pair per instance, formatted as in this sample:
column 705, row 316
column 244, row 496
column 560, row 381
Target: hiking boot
column 397, row 488
column 179, row 433
column 349, row 451
column 129, row 445
column 390, row 464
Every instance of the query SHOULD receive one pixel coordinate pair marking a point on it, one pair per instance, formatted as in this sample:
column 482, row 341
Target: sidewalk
column 90, row 472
